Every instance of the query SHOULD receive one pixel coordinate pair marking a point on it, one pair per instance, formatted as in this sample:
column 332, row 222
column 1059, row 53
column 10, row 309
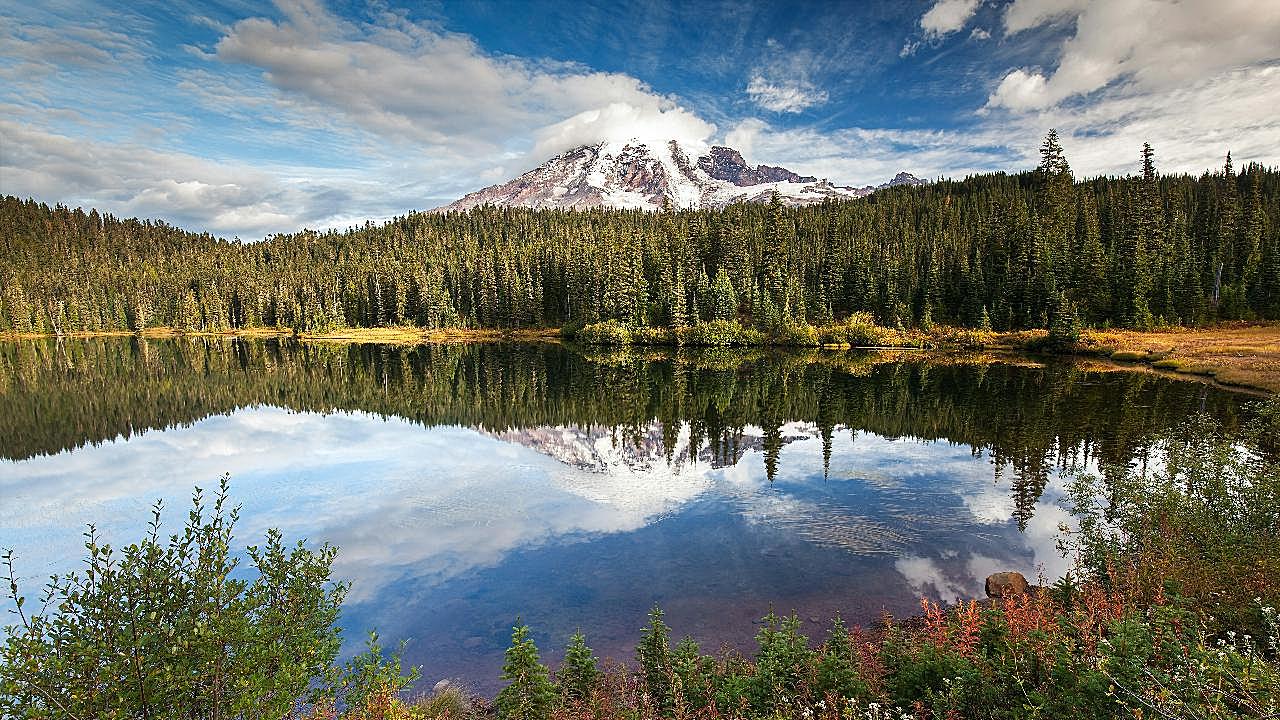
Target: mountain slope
column 645, row 176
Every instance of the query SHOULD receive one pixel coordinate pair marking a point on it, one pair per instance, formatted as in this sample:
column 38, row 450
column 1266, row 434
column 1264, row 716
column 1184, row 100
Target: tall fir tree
column 529, row 694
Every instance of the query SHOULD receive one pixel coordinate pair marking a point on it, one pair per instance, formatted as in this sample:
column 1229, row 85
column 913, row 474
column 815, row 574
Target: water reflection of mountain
column 712, row 408
column 602, row 449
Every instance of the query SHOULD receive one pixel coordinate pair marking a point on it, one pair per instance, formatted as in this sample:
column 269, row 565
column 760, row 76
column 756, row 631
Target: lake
column 469, row 484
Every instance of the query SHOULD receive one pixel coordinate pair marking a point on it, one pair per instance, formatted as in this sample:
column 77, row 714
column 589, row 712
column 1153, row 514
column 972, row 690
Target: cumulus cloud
column 656, row 121
column 942, row 19
column 409, row 81
column 1232, row 111
column 1147, row 45
column 1192, row 127
column 131, row 179
column 229, row 198
column 948, row 16
column 1025, row 14
column 418, row 115
column 1194, row 80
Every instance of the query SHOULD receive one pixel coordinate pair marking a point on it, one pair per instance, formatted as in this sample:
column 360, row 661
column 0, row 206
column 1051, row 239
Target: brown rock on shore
column 1006, row 584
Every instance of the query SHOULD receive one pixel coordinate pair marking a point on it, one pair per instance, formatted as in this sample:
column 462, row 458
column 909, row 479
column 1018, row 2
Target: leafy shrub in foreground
column 165, row 629
column 1205, row 523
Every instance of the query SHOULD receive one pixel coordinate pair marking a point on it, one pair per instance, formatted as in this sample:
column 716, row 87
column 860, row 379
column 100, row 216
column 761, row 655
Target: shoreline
column 1238, row 356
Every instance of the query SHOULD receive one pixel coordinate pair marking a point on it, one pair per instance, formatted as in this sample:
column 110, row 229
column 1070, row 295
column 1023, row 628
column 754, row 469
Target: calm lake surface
column 470, row 484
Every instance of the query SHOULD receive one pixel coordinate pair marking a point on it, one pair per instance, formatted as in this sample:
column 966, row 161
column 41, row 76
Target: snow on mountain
column 639, row 175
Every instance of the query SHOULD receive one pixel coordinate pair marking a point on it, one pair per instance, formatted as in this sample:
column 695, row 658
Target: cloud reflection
column 413, row 507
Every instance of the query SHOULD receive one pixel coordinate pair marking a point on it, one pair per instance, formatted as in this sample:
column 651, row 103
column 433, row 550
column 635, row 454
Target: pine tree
column 578, row 674
column 694, row 674
column 722, row 299
column 529, row 694
column 837, row 675
column 1054, row 210
column 654, row 655
column 779, row 234
column 1064, row 326
column 1092, row 285
column 782, row 659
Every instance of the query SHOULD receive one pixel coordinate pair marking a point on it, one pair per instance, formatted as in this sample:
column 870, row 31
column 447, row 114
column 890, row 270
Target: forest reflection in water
column 468, row 483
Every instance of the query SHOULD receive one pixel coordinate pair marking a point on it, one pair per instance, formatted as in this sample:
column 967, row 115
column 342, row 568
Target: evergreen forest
column 1004, row 251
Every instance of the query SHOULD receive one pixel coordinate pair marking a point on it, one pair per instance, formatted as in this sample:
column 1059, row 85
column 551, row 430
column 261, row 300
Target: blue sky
column 247, row 118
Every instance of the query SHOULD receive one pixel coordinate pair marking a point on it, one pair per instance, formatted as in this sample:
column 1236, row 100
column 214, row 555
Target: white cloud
column 784, row 97
column 1025, row 14
column 1149, row 45
column 948, row 16
column 131, row 179
column 417, row 116
column 868, row 156
column 408, row 81
column 1191, row 127
column 656, row 121
column 229, row 198
column 1192, row 79
column 782, row 84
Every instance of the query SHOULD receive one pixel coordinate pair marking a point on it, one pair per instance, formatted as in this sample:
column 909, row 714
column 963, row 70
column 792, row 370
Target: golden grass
column 1243, row 355
column 380, row 335
column 1238, row 354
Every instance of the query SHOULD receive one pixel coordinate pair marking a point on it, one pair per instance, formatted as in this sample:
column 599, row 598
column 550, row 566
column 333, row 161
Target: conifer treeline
column 1012, row 251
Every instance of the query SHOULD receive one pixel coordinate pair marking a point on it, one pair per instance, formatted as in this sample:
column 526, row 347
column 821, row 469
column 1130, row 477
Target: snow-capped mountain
column 642, row 175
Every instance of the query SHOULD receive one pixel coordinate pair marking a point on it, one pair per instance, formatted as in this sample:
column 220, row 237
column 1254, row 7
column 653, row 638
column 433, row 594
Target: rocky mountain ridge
column 639, row 175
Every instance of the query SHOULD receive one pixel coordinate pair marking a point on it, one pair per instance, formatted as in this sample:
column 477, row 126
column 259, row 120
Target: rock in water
column 1006, row 584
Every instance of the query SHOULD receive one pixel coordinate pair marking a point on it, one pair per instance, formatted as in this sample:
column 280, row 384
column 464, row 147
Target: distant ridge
column 641, row 175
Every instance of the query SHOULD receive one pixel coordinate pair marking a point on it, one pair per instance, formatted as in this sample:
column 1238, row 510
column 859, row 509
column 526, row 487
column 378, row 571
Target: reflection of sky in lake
column 448, row 533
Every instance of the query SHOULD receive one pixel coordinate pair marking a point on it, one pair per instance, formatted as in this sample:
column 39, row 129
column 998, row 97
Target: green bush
column 609, row 332
column 719, row 333
column 919, row 670
column 653, row 653
column 795, row 334
column 653, row 336
column 578, row 673
column 782, row 665
column 695, row 673
column 571, row 329
column 166, row 629
column 860, row 330
column 836, row 671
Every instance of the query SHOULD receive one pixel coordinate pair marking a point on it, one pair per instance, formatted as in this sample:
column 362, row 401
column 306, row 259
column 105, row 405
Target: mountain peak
column 905, row 178
column 725, row 163
column 648, row 175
